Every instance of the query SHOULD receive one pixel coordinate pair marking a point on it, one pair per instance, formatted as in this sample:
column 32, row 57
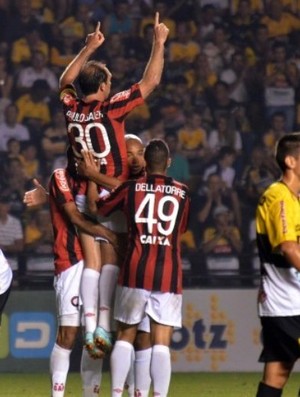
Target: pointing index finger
column 156, row 20
column 97, row 30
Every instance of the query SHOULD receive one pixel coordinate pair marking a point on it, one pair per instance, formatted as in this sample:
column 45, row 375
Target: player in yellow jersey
column 278, row 238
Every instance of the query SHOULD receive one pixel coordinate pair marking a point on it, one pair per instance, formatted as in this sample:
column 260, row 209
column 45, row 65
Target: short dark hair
column 91, row 75
column 288, row 145
column 156, row 155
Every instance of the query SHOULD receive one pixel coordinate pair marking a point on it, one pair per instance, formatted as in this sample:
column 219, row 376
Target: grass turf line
column 182, row 385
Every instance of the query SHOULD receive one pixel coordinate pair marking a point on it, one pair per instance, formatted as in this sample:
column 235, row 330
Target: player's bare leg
column 89, row 287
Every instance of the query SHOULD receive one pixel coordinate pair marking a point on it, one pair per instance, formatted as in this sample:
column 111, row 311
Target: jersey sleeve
column 280, row 223
column 122, row 103
column 113, row 201
column 59, row 188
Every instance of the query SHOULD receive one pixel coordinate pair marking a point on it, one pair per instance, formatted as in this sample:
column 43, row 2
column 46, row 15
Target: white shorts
column 132, row 304
column 144, row 325
column 115, row 222
column 68, row 302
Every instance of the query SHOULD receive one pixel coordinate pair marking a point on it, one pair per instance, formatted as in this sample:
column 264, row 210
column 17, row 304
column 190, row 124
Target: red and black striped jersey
column 100, row 127
column 157, row 209
column 67, row 249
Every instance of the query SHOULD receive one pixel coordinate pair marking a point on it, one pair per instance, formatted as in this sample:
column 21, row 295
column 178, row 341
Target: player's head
column 157, row 156
column 135, row 154
column 287, row 151
column 94, row 76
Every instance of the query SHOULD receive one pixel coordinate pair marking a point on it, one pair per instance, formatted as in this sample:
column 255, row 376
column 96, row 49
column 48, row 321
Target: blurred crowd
column 230, row 89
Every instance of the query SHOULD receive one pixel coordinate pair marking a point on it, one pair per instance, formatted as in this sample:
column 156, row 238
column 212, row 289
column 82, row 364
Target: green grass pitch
column 182, row 385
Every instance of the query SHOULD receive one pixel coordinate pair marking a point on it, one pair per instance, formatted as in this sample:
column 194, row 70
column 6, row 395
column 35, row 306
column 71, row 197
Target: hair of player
column 91, row 75
column 288, row 145
column 134, row 137
column 156, row 155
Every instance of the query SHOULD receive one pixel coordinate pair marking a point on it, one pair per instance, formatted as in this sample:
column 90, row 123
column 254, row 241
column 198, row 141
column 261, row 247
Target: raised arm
column 93, row 41
column 154, row 68
column 88, row 168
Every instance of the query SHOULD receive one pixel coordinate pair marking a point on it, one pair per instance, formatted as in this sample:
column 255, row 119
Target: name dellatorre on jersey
column 168, row 189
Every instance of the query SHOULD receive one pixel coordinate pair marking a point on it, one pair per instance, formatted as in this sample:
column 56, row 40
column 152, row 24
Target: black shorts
column 3, row 300
column 281, row 339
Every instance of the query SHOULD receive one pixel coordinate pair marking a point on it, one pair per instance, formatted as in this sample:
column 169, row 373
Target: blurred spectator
column 243, row 23
column 37, row 70
column 179, row 167
column 11, row 233
column 6, row 85
column 21, row 21
column 282, row 77
column 155, row 129
column 220, row 104
column 13, row 150
column 54, row 141
column 23, row 48
column 224, row 135
column 14, row 185
column 29, row 160
column 119, row 21
column 280, row 23
column 34, row 111
column 39, row 233
column 259, row 49
column 10, row 128
column 63, row 49
column 80, row 23
column 212, row 194
column 257, row 175
column 114, row 48
column 192, row 139
column 222, row 244
column 223, row 166
column 218, row 49
column 278, row 128
column 183, row 49
column 172, row 115
column 222, row 6
column 201, row 78
column 235, row 77
column 207, row 21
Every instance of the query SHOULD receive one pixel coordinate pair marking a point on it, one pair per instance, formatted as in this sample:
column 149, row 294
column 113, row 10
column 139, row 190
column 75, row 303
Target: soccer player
column 150, row 280
column 278, row 235
column 139, row 374
column 96, row 122
column 68, row 270
column 6, row 276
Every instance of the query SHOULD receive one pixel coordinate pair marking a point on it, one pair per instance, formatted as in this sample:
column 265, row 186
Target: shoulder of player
column 125, row 94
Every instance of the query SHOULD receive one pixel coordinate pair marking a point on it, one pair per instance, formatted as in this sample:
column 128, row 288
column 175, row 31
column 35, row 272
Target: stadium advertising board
column 220, row 333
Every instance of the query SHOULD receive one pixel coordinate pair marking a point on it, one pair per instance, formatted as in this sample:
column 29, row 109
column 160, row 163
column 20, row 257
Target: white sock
column 107, row 287
column 129, row 383
column 59, row 367
column 160, row 369
column 142, row 371
column 89, row 295
column 120, row 361
column 91, row 375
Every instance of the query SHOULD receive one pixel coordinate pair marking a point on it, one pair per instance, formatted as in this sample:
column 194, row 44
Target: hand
column 87, row 165
column 95, row 39
column 36, row 196
column 160, row 30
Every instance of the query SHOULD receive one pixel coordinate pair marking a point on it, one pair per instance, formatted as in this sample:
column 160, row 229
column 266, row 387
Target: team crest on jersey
column 67, row 99
column 120, row 96
column 61, row 180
